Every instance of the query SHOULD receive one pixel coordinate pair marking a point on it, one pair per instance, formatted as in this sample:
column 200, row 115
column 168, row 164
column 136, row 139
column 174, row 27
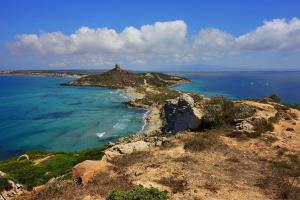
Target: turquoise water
column 38, row 113
column 238, row 85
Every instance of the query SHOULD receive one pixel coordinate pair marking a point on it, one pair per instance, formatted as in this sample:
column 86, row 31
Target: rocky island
column 194, row 147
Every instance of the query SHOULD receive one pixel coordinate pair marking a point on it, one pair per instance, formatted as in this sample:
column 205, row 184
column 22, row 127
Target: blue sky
column 95, row 34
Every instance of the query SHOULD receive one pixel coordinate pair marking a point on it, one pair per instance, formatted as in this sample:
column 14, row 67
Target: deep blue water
column 38, row 113
column 238, row 85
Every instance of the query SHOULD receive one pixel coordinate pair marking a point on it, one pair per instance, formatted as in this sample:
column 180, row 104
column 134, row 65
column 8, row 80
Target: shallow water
column 38, row 113
column 238, row 85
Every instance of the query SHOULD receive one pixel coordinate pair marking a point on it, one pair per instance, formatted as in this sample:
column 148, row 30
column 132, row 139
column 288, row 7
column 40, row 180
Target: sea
column 240, row 85
column 37, row 113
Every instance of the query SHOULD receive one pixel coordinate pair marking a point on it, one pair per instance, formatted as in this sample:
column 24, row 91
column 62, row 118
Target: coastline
column 152, row 120
column 41, row 74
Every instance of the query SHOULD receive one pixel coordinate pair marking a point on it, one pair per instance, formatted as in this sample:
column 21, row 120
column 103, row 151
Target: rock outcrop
column 15, row 191
column 181, row 114
column 84, row 171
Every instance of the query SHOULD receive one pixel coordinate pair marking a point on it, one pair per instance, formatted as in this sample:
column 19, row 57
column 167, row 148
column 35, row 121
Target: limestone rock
column 131, row 147
column 15, row 191
column 181, row 114
column 85, row 170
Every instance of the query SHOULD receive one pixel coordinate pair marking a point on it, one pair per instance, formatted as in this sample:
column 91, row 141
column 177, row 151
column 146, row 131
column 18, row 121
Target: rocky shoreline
column 153, row 120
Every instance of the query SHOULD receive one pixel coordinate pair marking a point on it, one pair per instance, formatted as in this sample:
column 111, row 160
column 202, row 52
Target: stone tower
column 117, row 67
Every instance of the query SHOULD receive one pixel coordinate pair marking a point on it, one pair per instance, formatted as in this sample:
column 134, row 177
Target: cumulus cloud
column 159, row 37
column 158, row 43
column 277, row 34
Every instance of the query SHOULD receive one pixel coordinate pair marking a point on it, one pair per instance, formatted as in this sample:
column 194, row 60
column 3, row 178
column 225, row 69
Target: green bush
column 219, row 111
column 212, row 117
column 4, row 184
column 138, row 193
column 243, row 111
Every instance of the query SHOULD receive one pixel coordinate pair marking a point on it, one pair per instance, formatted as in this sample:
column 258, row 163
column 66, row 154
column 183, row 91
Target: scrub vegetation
column 39, row 167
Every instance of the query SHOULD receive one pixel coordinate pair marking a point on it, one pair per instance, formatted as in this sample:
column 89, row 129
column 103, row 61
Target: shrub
column 276, row 118
column 261, row 125
column 212, row 117
column 138, row 193
column 274, row 98
column 219, row 111
column 4, row 184
column 243, row 111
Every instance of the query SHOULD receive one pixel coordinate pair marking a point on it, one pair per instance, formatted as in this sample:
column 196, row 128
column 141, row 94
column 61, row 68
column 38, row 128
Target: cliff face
column 181, row 114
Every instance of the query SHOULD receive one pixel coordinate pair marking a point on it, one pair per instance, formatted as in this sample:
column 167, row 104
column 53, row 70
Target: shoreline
column 152, row 120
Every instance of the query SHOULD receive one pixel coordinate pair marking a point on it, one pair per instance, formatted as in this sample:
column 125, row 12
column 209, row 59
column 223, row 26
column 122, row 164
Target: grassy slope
column 30, row 174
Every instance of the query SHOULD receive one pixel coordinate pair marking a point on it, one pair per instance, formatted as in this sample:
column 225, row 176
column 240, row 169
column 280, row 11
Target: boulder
column 2, row 173
column 15, row 190
column 181, row 114
column 39, row 188
column 245, row 126
column 85, row 170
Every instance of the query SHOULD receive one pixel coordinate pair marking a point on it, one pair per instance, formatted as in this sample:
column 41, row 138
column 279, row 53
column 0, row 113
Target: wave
column 100, row 135
column 145, row 115
column 119, row 126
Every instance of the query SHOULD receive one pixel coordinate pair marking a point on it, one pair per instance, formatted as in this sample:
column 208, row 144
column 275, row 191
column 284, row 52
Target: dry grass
column 185, row 159
column 233, row 159
column 211, row 186
column 283, row 178
column 127, row 160
column 61, row 191
column 101, row 185
column 203, row 141
column 177, row 185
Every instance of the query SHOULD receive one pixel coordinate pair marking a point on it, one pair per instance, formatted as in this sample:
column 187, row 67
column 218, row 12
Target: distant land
column 179, row 68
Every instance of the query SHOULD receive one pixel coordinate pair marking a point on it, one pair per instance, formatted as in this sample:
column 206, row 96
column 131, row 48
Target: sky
column 96, row 34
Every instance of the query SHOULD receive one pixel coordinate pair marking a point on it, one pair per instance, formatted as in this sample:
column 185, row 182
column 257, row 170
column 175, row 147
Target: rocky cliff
column 181, row 114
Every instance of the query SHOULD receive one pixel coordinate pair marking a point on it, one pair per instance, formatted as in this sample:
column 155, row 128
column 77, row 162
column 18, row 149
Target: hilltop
column 119, row 78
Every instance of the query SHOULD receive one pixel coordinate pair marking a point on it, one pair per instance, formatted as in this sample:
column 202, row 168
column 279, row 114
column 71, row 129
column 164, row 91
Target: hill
column 119, row 78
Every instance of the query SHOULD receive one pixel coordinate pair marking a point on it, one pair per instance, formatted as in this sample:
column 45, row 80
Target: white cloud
column 160, row 43
column 277, row 34
column 160, row 37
